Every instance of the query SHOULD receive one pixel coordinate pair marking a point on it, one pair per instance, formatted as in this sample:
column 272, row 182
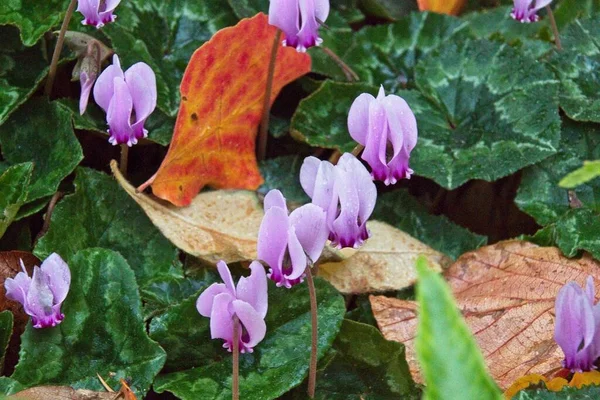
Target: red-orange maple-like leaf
column 451, row 7
column 222, row 95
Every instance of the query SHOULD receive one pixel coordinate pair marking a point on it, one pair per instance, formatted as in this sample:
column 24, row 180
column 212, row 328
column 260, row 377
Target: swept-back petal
column 221, row 319
column 58, row 276
column 18, row 287
column 311, row 229
column 89, row 9
column 402, row 123
column 104, row 89
column 358, row 118
column 225, row 274
column 539, row 4
column 297, row 259
column 39, row 300
column 204, row 304
column 308, row 174
column 346, row 226
column 272, row 240
column 253, row 323
column 274, row 199
column 118, row 115
column 284, row 14
column 322, row 9
column 376, row 141
column 253, row 289
column 308, row 36
column 86, row 88
column 141, row 82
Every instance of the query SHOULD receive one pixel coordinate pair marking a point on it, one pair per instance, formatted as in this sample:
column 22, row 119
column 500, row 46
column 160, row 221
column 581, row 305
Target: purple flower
column 526, row 10
column 43, row 294
column 221, row 301
column 577, row 329
column 387, row 127
column 97, row 12
column 299, row 20
column 347, row 194
column 128, row 99
column 288, row 244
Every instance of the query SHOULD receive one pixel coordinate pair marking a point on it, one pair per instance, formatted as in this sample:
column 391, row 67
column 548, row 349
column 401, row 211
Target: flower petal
column 272, row 240
column 358, row 118
column 225, row 274
column 18, row 287
column 308, row 174
column 86, row 88
column 39, row 300
column 205, row 301
column 346, row 228
column 253, row 323
column 89, row 9
column 376, row 141
column 365, row 188
column 106, row 14
column 141, row 82
column 58, row 276
column 322, row 9
column 104, row 89
column 401, row 122
column 308, row 36
column 311, row 229
column 539, row 4
column 253, row 290
column 274, row 199
column 284, row 14
column 119, row 112
column 297, row 258
column 221, row 319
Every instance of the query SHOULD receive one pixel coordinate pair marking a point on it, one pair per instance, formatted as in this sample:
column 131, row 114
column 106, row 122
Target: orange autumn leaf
column 506, row 292
column 222, row 94
column 524, row 382
column 451, row 7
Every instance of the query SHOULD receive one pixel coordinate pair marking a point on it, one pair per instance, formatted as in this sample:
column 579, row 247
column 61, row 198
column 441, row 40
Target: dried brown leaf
column 62, row 393
column 506, row 293
column 385, row 262
column 217, row 225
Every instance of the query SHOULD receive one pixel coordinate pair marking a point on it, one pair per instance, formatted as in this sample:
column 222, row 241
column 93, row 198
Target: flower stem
column 554, row 27
column 357, row 150
column 312, row 371
column 348, row 72
column 264, row 123
column 124, row 159
column 235, row 373
column 58, row 48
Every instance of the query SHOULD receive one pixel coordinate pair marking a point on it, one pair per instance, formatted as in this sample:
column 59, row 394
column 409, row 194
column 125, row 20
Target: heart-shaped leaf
column 14, row 187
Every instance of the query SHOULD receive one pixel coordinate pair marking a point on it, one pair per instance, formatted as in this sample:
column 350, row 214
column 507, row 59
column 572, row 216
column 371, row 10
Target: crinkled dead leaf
column 506, row 293
column 385, row 262
column 222, row 94
column 62, row 393
column 451, row 7
column 217, row 225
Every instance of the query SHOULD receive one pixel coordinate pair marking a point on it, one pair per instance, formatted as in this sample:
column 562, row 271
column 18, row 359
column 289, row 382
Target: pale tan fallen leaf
column 385, row 262
column 506, row 293
column 61, row 393
column 217, row 225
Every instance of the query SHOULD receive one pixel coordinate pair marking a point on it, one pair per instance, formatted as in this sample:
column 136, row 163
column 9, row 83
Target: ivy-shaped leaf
column 164, row 35
column 578, row 69
column 283, row 173
column 6, row 330
column 14, row 187
column 53, row 148
column 21, row 70
column 100, row 214
column 103, row 332
column 279, row 362
column 32, row 17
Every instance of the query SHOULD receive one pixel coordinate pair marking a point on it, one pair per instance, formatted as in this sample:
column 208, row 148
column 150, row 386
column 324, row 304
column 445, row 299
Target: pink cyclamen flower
column 387, row 127
column 290, row 243
column 577, row 326
column 221, row 301
column 128, row 98
column 43, row 294
column 347, row 194
column 299, row 20
column 526, row 10
column 97, row 12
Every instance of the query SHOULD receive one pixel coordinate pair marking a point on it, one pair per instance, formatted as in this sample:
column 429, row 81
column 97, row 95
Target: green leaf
column 539, row 194
column 164, row 35
column 388, row 9
column 14, row 186
column 574, row 231
column 100, row 214
column 279, row 362
column 53, row 148
column 103, row 331
column 589, row 171
column 365, row 367
column 32, row 17
column 577, row 68
column 403, row 211
column 321, row 118
column 567, row 11
column 21, row 70
column 451, row 363
column 387, row 54
column 591, row 392
column 491, row 110
column 9, row 386
column 6, row 330
column 249, row 8
column 283, row 173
